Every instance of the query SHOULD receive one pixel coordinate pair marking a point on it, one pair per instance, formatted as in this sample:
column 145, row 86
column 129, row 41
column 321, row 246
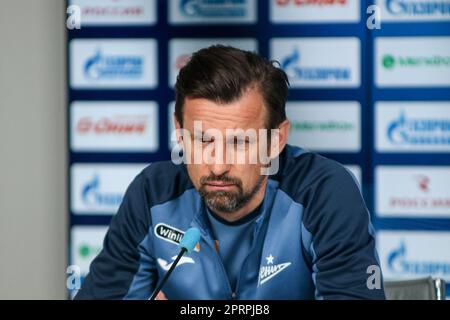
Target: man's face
column 225, row 185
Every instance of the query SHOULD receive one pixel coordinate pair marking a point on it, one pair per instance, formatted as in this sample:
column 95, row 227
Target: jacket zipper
column 224, row 272
column 244, row 265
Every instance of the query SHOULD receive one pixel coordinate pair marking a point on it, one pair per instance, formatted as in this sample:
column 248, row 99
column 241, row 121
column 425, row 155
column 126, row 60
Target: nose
column 217, row 162
column 219, row 169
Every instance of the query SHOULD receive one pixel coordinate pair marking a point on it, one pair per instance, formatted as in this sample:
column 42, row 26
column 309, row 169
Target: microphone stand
column 166, row 276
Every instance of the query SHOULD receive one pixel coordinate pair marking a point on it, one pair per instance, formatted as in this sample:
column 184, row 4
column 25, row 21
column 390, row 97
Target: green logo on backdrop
column 322, row 126
column 389, row 61
column 85, row 250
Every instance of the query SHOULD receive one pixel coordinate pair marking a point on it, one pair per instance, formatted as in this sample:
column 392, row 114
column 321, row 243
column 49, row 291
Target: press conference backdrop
column 377, row 100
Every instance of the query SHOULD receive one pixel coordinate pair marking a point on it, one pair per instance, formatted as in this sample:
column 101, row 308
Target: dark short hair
column 222, row 74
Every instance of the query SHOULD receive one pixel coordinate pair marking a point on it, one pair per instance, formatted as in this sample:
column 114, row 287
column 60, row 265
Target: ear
column 278, row 141
column 178, row 130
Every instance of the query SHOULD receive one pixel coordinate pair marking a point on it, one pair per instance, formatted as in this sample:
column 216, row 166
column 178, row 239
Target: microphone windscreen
column 190, row 239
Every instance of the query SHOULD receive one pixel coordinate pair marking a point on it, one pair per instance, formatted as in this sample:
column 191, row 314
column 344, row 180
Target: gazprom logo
column 409, row 131
column 291, row 65
column 214, row 8
column 101, row 66
column 398, row 263
column 92, row 194
column 418, row 8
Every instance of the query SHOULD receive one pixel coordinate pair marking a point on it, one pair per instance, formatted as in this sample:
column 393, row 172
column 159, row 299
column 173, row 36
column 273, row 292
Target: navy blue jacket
column 313, row 239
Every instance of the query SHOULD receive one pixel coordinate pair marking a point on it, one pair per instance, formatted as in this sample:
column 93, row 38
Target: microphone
column 187, row 244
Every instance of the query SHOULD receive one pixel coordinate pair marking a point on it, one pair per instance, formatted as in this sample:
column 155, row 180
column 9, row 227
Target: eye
column 240, row 142
column 205, row 140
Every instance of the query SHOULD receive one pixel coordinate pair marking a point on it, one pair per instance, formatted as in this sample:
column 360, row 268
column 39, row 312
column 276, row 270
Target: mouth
column 218, row 185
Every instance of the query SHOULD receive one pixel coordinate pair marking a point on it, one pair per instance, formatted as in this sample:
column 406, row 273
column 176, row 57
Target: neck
column 256, row 200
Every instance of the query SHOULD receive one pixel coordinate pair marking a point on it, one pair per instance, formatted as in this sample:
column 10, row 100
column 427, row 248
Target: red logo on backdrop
column 113, row 125
column 311, row 2
column 428, row 201
column 423, row 182
column 113, row 10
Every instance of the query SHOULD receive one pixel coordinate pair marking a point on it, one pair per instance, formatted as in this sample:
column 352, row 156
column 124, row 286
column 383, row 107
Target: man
column 286, row 224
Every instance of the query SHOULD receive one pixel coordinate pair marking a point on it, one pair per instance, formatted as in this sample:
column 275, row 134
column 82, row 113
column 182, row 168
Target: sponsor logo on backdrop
column 92, row 194
column 414, row 10
column 408, row 254
column 180, row 51
column 103, row 66
column 113, row 63
column 86, row 244
column 217, row 11
column 398, row 263
column 413, row 126
column 412, row 61
column 308, row 62
column 116, row 12
column 99, row 188
column 314, row 11
column 419, row 131
column 293, row 67
column 413, row 191
column 325, row 126
column 114, row 126
column 390, row 61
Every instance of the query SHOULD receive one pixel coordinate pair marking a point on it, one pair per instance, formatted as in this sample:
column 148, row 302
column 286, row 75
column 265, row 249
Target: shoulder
column 304, row 173
column 328, row 193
